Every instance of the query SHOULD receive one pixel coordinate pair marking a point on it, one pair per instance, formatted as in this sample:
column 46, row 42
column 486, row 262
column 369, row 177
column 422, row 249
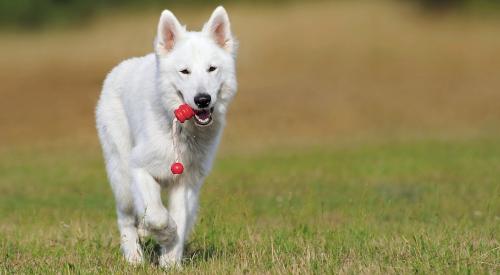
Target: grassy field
column 421, row 207
column 369, row 145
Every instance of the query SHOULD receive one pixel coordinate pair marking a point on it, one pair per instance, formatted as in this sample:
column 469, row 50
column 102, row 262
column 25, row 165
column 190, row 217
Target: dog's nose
column 202, row 100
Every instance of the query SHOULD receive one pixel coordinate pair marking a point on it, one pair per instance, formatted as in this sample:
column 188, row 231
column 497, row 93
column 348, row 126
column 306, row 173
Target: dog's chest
column 194, row 151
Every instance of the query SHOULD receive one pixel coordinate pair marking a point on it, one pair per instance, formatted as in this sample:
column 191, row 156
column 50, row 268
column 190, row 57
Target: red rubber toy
column 183, row 113
column 177, row 168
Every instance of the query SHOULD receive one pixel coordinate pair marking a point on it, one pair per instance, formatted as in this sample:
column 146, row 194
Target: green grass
column 411, row 207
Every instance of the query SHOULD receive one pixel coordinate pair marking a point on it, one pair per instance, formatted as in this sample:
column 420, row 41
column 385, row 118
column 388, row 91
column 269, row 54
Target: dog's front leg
column 183, row 205
column 154, row 215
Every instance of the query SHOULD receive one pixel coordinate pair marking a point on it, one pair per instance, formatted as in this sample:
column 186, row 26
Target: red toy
column 177, row 168
column 183, row 113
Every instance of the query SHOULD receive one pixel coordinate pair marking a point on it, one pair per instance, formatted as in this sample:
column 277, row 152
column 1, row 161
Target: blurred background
column 364, row 137
column 310, row 72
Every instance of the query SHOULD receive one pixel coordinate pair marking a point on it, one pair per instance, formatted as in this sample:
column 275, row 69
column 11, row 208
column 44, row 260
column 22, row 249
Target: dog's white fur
column 134, row 121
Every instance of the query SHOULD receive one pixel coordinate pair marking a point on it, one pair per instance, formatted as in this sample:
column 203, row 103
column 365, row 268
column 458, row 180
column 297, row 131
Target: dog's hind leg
column 120, row 183
column 129, row 239
column 113, row 133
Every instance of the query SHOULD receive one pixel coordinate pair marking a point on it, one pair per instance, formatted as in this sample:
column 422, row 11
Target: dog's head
column 197, row 68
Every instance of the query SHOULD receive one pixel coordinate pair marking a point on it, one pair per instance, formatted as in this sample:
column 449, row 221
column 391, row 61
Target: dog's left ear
column 219, row 28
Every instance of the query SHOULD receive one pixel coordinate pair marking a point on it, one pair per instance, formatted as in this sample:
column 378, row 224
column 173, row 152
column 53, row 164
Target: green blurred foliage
column 446, row 5
column 34, row 14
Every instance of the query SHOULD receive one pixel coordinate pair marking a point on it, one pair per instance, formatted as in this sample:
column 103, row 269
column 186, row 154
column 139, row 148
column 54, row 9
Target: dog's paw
column 131, row 248
column 157, row 219
column 168, row 235
column 133, row 256
column 169, row 261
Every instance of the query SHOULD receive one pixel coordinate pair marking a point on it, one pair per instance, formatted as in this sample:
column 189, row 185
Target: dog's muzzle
column 203, row 117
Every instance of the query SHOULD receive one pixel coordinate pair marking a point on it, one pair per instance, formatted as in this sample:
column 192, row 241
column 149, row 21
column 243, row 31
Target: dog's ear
column 169, row 31
column 219, row 28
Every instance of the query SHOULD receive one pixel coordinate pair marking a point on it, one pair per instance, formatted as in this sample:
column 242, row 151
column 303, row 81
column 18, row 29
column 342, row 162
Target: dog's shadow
column 151, row 250
column 193, row 254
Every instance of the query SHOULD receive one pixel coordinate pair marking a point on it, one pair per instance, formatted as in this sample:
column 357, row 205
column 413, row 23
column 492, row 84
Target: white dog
column 135, row 119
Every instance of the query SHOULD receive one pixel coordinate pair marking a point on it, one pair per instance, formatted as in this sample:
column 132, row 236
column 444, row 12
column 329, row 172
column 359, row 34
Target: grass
column 419, row 207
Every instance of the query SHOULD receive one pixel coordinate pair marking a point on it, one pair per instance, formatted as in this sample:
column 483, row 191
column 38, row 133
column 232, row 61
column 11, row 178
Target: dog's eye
column 185, row 71
column 211, row 69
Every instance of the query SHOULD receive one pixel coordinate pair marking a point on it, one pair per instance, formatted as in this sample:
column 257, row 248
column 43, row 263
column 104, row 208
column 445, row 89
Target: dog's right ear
column 169, row 31
column 219, row 28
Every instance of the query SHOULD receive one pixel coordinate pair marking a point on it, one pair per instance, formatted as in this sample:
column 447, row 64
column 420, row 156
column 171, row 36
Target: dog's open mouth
column 203, row 117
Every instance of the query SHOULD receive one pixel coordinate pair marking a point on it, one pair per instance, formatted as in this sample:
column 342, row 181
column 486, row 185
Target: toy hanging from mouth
column 183, row 113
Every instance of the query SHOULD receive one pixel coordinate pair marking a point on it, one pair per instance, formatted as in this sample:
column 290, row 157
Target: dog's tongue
column 203, row 114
